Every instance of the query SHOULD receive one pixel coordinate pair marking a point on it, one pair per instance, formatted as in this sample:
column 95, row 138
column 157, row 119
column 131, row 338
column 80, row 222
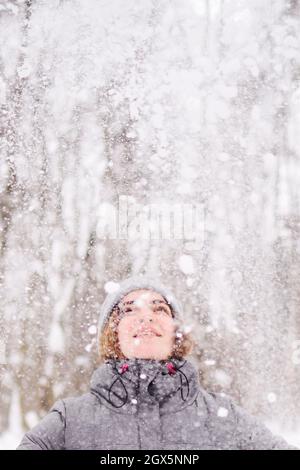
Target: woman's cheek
column 126, row 327
column 169, row 327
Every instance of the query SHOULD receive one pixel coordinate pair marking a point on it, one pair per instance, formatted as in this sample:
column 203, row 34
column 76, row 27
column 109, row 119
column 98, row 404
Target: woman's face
column 146, row 329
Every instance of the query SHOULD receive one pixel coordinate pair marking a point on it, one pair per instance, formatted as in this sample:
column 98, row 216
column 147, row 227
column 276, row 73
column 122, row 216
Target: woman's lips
column 146, row 332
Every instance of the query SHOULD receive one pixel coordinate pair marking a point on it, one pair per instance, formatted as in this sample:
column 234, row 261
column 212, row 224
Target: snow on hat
column 116, row 291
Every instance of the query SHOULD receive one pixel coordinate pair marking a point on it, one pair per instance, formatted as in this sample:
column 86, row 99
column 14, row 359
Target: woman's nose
column 147, row 319
column 147, row 315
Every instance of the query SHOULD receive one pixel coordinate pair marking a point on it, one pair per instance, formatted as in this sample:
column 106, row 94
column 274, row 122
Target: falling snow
column 194, row 104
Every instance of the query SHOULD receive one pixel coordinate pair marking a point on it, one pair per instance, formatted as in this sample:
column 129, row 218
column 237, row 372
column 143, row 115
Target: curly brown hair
column 109, row 347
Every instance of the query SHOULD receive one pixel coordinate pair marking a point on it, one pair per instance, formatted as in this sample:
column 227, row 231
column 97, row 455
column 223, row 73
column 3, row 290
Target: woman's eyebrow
column 130, row 302
column 153, row 301
column 159, row 301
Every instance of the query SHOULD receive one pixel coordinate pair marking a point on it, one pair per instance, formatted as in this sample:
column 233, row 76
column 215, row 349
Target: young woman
column 146, row 394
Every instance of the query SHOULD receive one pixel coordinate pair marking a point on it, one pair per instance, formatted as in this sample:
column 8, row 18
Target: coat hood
column 126, row 385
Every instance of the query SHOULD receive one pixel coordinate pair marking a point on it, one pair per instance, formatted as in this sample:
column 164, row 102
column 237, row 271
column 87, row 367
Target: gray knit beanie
column 133, row 283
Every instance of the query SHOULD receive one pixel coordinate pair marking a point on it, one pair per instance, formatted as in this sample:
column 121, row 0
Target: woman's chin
column 146, row 351
column 146, row 347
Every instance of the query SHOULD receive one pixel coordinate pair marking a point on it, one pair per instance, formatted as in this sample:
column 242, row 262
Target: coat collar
column 127, row 384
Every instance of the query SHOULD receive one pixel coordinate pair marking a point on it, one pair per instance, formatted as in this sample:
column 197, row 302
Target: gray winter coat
column 149, row 404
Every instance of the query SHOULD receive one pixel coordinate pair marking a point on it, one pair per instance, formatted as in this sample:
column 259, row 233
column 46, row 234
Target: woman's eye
column 127, row 310
column 163, row 309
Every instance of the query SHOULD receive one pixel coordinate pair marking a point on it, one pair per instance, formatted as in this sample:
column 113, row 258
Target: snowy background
column 182, row 101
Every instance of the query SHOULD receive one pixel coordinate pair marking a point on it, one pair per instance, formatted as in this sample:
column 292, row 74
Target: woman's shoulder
column 74, row 404
column 219, row 404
